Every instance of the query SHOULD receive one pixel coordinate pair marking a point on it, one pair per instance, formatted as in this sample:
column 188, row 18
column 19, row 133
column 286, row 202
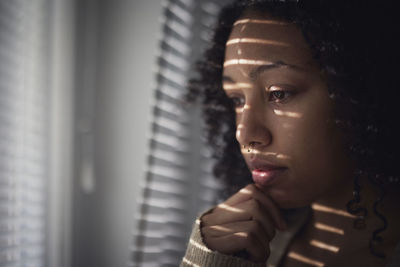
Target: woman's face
column 284, row 111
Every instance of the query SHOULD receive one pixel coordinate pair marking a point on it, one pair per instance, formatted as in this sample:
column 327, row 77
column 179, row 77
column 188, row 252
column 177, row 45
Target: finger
column 223, row 214
column 259, row 214
column 246, row 211
column 242, row 195
column 247, row 226
column 237, row 242
column 252, row 191
column 271, row 206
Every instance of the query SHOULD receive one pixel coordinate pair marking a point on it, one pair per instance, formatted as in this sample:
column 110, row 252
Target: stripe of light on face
column 277, row 155
column 257, row 152
column 260, row 21
column 242, row 61
column 282, row 156
column 240, row 110
column 322, row 245
column 287, row 113
column 233, row 86
column 322, row 208
column 287, row 125
column 239, row 132
column 256, row 41
column 303, row 259
column 240, row 126
column 328, row 228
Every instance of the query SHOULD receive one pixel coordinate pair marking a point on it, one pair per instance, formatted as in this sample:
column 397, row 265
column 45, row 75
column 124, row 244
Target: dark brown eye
column 238, row 101
column 279, row 95
column 276, row 94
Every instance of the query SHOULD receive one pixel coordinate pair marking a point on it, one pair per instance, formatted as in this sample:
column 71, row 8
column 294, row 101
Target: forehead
column 258, row 38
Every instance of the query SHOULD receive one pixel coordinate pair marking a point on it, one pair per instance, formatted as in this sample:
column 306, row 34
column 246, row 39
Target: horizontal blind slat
column 167, row 172
column 177, row 45
column 170, row 91
column 181, row 13
column 176, row 143
column 181, row 30
column 175, row 60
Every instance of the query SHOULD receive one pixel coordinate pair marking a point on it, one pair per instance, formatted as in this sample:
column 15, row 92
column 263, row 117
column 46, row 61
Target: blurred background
column 101, row 162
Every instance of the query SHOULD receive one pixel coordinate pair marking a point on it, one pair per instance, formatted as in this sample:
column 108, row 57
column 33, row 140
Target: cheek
column 313, row 142
column 315, row 154
column 310, row 138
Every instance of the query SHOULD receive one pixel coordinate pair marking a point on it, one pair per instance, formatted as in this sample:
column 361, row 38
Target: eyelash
column 286, row 94
column 273, row 96
column 237, row 100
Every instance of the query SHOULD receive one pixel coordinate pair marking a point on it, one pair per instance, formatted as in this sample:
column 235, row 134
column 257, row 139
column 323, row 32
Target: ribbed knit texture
column 197, row 254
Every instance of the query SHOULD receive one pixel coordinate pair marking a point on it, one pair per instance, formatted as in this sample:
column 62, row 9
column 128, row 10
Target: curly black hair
column 355, row 45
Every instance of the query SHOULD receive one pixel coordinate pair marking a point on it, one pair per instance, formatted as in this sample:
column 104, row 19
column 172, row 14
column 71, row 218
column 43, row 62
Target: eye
column 237, row 100
column 279, row 94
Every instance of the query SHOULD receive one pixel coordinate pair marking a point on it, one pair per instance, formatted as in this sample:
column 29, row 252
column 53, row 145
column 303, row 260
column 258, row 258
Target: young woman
column 300, row 103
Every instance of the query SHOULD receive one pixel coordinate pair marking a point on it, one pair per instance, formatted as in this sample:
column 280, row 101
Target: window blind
column 179, row 181
column 23, row 125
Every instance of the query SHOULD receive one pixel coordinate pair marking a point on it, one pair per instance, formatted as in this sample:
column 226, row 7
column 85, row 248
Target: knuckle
column 254, row 204
column 218, row 207
column 250, row 188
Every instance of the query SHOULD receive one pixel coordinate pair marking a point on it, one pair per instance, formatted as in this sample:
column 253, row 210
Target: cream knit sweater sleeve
column 197, row 254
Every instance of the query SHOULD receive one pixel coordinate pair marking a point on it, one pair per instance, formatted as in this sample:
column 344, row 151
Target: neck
column 333, row 206
column 330, row 213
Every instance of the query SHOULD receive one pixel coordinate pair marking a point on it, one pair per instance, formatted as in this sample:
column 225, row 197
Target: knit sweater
column 199, row 255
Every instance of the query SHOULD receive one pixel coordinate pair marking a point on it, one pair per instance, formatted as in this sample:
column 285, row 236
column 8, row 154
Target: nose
column 252, row 126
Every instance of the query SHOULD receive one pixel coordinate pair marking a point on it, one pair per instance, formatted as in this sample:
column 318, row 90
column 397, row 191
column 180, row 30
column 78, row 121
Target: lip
column 265, row 173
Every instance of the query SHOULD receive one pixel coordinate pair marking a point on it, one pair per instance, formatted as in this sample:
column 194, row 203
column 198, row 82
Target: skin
column 286, row 112
column 299, row 126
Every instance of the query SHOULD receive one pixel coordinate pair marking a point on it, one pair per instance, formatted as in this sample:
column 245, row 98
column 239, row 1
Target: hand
column 245, row 222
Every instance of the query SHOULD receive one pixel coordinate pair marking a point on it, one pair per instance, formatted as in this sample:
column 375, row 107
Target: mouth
column 264, row 173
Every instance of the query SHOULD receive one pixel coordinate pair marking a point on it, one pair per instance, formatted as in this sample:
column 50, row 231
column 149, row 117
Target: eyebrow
column 275, row 65
column 265, row 67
